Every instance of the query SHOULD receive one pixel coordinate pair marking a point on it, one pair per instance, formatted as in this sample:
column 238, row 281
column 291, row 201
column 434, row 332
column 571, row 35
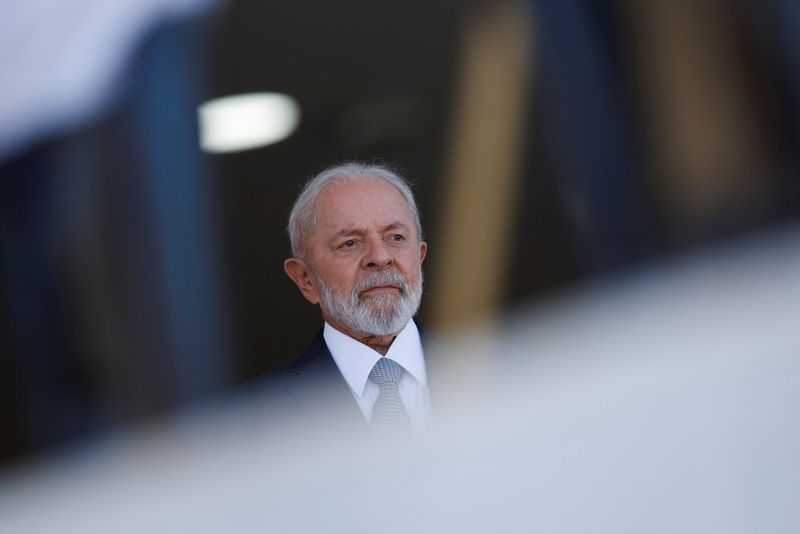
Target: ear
column 300, row 273
column 423, row 249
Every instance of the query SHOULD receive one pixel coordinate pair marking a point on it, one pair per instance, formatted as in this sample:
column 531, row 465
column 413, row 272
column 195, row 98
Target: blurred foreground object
column 108, row 286
column 662, row 402
column 64, row 64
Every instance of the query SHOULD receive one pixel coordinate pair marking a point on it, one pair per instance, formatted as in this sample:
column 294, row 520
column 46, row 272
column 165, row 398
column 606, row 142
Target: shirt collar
column 355, row 360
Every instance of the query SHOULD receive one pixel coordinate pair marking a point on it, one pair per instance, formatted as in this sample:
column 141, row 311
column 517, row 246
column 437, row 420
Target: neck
column 379, row 344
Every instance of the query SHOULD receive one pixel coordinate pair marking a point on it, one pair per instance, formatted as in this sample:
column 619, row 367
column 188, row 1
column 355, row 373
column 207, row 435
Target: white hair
column 303, row 217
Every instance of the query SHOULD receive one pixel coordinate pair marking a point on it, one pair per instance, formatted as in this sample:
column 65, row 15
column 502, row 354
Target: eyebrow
column 396, row 226
column 357, row 231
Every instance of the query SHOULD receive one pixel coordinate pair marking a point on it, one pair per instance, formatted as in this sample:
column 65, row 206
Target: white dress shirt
column 355, row 361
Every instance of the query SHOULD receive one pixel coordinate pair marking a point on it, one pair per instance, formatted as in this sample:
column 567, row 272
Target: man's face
column 365, row 258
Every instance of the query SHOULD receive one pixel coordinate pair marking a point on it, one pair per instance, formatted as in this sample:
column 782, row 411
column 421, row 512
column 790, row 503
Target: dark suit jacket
column 311, row 386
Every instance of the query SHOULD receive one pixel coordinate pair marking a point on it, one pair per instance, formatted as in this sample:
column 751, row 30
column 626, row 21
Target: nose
column 377, row 256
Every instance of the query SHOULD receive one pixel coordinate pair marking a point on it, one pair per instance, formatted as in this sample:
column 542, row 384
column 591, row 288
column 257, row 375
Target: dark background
column 141, row 277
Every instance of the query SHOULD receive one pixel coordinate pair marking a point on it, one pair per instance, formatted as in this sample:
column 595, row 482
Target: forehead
column 362, row 203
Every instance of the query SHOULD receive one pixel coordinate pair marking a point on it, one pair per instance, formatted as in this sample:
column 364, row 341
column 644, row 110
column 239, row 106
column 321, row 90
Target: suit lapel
column 315, row 382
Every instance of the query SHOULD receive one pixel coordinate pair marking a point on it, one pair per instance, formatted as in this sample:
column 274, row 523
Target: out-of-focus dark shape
column 586, row 123
column 109, row 289
column 707, row 111
column 483, row 165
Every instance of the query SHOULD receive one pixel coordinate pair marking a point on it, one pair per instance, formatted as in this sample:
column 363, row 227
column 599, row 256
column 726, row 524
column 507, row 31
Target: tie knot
column 386, row 372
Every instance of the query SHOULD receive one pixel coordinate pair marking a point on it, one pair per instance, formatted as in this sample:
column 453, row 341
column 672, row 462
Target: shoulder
column 313, row 361
column 308, row 393
column 303, row 381
column 316, row 354
column 309, row 389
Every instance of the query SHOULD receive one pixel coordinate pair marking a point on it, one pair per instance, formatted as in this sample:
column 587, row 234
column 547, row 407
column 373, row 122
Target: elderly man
column 357, row 253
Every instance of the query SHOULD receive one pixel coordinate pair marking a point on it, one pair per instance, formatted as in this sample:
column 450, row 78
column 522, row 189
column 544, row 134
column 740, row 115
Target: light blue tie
column 388, row 411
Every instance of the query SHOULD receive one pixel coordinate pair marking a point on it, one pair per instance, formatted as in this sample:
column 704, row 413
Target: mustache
column 380, row 278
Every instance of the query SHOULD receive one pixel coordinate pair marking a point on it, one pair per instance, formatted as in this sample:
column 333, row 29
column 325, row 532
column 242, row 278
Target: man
column 357, row 253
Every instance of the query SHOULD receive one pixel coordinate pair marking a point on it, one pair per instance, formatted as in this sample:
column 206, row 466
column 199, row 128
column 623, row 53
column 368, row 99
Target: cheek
column 340, row 278
column 411, row 265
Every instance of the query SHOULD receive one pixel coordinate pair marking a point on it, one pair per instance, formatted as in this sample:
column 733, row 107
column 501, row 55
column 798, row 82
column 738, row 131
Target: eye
column 350, row 243
column 397, row 237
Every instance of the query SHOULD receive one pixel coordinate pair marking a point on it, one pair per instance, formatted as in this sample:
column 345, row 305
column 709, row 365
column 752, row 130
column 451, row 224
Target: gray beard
column 377, row 315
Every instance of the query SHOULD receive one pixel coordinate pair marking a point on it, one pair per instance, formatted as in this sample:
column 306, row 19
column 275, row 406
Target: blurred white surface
column 62, row 62
column 663, row 402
